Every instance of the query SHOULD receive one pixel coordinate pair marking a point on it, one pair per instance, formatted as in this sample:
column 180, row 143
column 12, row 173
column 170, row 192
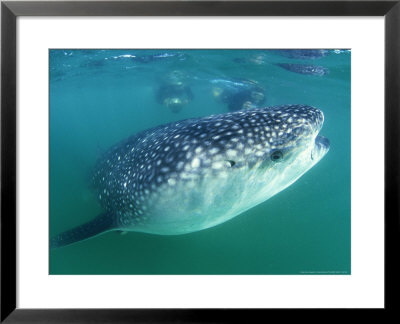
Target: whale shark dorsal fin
column 101, row 224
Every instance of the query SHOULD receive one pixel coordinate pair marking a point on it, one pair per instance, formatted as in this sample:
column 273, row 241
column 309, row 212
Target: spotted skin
column 197, row 173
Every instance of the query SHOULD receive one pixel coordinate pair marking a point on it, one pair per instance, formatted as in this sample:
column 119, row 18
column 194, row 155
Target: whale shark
column 194, row 174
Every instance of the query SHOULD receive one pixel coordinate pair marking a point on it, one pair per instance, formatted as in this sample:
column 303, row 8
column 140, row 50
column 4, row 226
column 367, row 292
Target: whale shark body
column 197, row 173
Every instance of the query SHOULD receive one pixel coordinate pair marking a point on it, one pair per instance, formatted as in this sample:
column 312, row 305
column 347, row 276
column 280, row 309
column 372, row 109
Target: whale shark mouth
column 321, row 147
column 322, row 142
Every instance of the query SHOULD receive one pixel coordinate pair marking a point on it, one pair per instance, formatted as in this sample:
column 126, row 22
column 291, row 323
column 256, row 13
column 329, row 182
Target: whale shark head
column 263, row 151
column 280, row 144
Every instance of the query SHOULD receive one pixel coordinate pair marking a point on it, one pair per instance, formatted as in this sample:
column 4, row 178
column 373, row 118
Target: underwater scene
column 200, row 161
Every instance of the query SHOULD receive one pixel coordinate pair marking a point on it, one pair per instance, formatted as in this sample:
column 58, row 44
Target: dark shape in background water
column 304, row 69
column 304, row 54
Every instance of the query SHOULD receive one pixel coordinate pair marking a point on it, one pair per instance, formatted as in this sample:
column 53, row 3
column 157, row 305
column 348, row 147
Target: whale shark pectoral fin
column 101, row 224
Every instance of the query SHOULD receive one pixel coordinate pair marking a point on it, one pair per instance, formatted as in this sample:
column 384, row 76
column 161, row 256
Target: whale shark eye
column 276, row 156
column 231, row 163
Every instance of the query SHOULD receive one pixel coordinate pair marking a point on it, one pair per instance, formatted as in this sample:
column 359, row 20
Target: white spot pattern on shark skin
column 195, row 163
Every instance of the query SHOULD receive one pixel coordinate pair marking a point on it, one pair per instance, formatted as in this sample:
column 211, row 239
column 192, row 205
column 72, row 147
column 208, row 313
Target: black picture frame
column 10, row 10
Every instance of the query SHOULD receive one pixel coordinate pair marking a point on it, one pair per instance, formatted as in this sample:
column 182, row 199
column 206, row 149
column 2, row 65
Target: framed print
column 191, row 161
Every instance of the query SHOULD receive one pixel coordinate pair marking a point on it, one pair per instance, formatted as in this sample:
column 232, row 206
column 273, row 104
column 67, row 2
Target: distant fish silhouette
column 304, row 69
column 303, row 54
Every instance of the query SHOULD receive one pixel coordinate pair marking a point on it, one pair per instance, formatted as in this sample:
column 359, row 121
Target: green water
column 99, row 97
